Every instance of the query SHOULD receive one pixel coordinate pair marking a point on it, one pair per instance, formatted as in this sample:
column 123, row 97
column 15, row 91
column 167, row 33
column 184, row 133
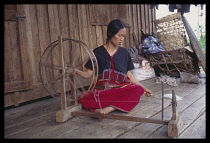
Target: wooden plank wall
column 85, row 22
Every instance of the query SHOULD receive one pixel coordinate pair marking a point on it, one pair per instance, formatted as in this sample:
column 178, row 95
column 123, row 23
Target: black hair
column 113, row 27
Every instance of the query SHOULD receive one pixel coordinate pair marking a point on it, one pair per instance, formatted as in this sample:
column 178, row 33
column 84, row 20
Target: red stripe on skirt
column 124, row 99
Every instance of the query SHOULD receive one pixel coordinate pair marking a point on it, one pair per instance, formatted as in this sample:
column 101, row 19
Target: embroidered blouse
column 112, row 69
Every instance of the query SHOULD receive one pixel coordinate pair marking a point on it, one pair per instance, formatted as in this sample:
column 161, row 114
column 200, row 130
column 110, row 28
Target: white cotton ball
column 178, row 98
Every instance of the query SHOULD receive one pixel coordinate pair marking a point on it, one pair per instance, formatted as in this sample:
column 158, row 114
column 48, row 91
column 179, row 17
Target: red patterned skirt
column 122, row 98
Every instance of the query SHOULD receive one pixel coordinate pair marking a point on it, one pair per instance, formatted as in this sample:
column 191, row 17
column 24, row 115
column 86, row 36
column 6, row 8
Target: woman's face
column 118, row 38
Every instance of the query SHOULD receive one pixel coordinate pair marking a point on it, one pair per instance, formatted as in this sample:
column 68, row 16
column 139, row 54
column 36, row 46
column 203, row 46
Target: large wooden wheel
column 57, row 65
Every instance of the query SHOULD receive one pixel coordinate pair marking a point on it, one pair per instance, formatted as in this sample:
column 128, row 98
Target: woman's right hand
column 85, row 74
column 75, row 72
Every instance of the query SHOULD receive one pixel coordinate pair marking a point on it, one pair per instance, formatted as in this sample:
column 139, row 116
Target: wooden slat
column 82, row 17
column 10, row 43
column 99, row 35
column 135, row 27
column 91, row 32
column 139, row 24
column 146, row 19
column 153, row 19
column 54, row 33
column 36, row 53
column 83, row 31
column 43, row 31
column 63, row 20
column 74, row 31
column 143, row 18
column 129, row 33
column 150, row 19
column 73, row 21
column 30, row 44
column 53, row 22
column 16, row 86
column 17, row 65
column 43, row 26
column 104, row 35
column 25, row 62
column 126, row 42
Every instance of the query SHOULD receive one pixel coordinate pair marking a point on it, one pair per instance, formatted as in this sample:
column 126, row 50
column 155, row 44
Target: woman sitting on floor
column 116, row 87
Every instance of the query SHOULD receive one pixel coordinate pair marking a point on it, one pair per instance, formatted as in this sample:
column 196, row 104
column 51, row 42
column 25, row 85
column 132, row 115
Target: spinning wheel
column 57, row 66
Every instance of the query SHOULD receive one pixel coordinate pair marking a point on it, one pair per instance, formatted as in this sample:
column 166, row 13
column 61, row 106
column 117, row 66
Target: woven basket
column 171, row 31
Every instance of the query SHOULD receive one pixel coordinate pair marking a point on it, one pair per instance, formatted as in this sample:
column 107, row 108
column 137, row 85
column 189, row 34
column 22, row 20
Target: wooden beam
column 174, row 105
column 118, row 117
column 63, row 85
column 195, row 44
column 72, row 78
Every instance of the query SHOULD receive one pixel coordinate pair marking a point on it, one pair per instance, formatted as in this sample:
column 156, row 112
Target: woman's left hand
column 148, row 92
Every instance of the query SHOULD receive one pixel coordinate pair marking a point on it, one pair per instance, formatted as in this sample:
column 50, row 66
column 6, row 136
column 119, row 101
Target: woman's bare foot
column 100, row 111
column 105, row 110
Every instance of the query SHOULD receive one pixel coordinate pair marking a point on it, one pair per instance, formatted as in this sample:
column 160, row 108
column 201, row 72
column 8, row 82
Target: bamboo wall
column 45, row 22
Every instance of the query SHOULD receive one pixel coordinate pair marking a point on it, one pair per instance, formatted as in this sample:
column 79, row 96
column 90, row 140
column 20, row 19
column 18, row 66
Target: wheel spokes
column 52, row 74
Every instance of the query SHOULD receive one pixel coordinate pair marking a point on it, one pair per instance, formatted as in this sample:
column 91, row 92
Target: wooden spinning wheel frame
column 57, row 65
column 56, row 73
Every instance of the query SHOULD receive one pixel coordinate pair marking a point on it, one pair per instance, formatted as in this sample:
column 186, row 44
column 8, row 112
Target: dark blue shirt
column 121, row 61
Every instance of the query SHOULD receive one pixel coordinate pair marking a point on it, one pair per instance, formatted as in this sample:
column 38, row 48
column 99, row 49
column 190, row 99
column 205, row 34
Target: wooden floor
column 37, row 120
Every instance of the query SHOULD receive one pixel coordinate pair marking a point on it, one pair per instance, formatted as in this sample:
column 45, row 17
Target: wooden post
column 176, row 121
column 72, row 78
column 63, row 85
column 162, row 98
column 65, row 113
column 174, row 104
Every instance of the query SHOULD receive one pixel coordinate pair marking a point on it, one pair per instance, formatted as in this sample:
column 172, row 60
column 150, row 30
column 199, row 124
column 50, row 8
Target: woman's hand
column 76, row 72
column 85, row 74
column 148, row 92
